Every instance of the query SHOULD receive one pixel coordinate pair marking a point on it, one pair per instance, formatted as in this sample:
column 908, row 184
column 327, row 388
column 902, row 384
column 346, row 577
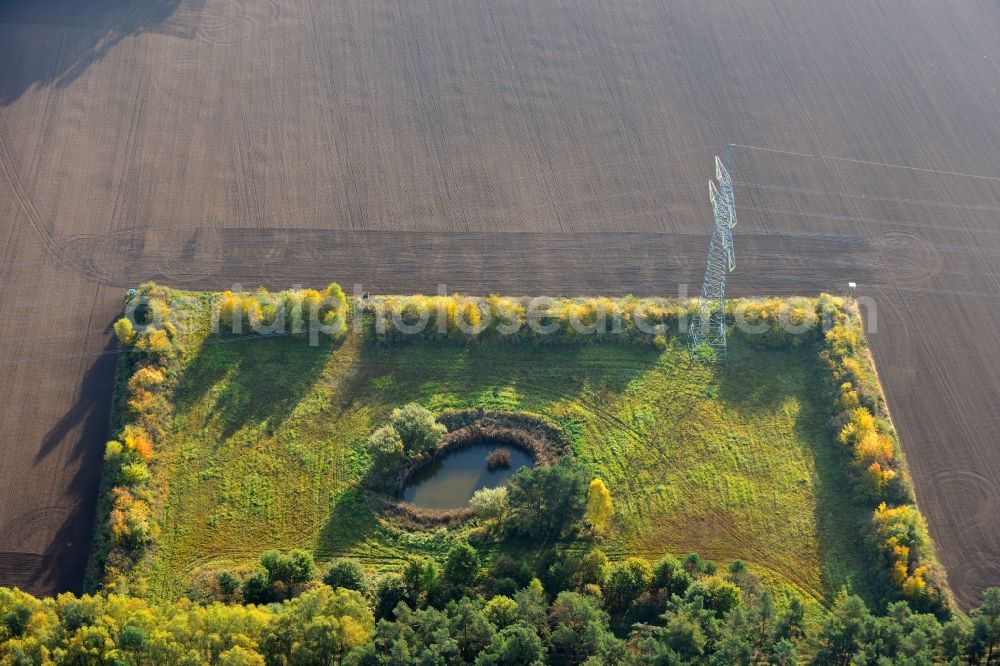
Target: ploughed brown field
column 516, row 147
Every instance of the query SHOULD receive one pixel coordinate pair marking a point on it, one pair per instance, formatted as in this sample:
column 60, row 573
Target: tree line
column 901, row 553
column 564, row 608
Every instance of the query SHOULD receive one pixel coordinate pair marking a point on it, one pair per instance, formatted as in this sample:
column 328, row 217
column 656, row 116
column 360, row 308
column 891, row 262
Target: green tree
column 507, row 575
column 516, row 645
column 593, row 569
column 415, row 637
column 669, row 575
column 684, row 636
column 693, row 564
column 843, row 632
column 986, row 627
column 532, row 606
column 318, row 628
column 784, row 653
column 385, row 447
column 421, row 578
column 715, row 594
column 348, row 574
column 257, row 588
column 16, row 621
column 228, row 584
column 133, row 641
column 288, row 571
column 91, row 645
column 389, row 593
column 417, row 428
column 470, row 627
column 954, row 639
column 792, row 622
column 626, row 581
column 546, row 502
column 580, row 629
column 461, row 567
column 501, row 611
column 734, row 647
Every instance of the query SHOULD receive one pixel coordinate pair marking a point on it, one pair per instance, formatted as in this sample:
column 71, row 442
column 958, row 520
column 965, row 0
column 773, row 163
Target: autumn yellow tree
column 600, row 508
column 124, row 331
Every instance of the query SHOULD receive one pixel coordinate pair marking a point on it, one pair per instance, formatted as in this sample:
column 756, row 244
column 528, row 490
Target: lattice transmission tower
column 708, row 326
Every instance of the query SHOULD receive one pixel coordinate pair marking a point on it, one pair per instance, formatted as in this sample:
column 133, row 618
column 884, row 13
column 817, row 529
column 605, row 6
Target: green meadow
column 265, row 449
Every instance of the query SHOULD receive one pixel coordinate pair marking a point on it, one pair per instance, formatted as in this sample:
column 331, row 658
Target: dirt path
column 521, row 147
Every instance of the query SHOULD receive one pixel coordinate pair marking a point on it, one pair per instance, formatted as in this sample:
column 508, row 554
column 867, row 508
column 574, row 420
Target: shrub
column 498, row 459
column 897, row 531
column 490, row 502
column 146, row 377
column 336, row 296
column 901, row 535
column 155, row 342
column 228, row 583
column 302, row 309
column 240, row 312
column 129, row 520
column 112, row 450
column 144, row 391
column 134, row 474
column 138, row 441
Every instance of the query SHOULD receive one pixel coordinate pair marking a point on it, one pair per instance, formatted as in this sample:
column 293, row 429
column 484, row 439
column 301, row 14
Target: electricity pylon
column 708, row 326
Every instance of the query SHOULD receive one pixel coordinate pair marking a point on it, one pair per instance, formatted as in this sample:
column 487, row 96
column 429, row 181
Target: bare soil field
column 518, row 147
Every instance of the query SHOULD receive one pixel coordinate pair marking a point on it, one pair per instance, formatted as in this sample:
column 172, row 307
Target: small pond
column 450, row 482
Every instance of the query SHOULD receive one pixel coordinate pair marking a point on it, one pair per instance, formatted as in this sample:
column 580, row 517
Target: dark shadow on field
column 83, row 430
column 752, row 381
column 352, row 520
column 756, row 380
column 840, row 517
column 748, row 380
column 82, row 33
column 62, row 566
column 839, row 520
column 267, row 379
column 91, row 410
column 484, row 371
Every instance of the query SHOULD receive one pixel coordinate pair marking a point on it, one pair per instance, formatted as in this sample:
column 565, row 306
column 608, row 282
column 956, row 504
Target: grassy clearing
column 265, row 450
